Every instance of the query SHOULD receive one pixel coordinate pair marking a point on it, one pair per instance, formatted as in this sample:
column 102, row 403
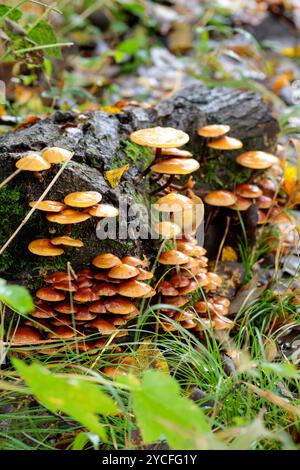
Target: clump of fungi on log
column 86, row 307
column 76, row 208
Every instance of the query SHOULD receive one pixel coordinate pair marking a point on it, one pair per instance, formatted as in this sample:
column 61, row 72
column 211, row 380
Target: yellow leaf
column 291, row 51
column 289, row 183
column 228, row 254
column 111, row 109
column 114, row 176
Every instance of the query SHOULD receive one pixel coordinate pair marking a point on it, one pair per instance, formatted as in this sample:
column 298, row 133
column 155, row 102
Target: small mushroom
column 175, row 152
column 119, row 306
column 173, row 257
column 56, row 154
column 166, row 288
column 106, row 289
column 44, row 247
column 176, row 166
column 67, row 216
column 144, row 275
column 85, row 294
column 67, row 241
column 241, row 204
column 264, row 202
column 33, row 162
column 225, row 143
column 106, row 261
column 48, row 206
column 133, row 261
column 62, row 332
column 213, row 130
column 133, row 289
column 97, row 307
column 58, row 276
column 104, row 327
column 257, row 160
column 43, row 310
column 173, row 202
column 159, row 137
column 82, row 199
column 66, row 307
column 220, row 198
column 249, row 191
column 25, row 335
column 123, row 271
column 65, row 286
column 50, row 295
column 103, row 210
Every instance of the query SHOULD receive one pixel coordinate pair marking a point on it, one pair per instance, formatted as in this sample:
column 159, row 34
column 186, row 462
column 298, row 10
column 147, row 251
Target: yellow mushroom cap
column 220, row 198
column 44, row 247
column 173, row 257
column 175, row 152
column 213, row 130
column 67, row 241
column 176, row 166
column 67, row 216
column 106, row 261
column 33, row 162
column 225, row 143
column 257, row 160
column 173, row 202
column 103, row 210
column 168, row 229
column 83, row 199
column 166, row 137
column 48, row 206
column 56, row 154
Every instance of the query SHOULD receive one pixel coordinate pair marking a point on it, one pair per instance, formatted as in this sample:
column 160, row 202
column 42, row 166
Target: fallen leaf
column 229, row 254
column 247, row 294
column 114, row 176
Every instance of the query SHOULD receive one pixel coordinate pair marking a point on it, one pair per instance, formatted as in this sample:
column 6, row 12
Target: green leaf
column 162, row 412
column 74, row 396
column 42, row 34
column 83, row 438
column 16, row 297
column 15, row 14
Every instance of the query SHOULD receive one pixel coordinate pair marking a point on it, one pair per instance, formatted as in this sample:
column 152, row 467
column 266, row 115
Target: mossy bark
column 100, row 142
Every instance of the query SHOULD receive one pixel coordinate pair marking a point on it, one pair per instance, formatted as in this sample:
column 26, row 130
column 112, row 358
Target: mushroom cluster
column 87, row 306
column 169, row 161
column 41, row 161
column 191, row 276
column 77, row 207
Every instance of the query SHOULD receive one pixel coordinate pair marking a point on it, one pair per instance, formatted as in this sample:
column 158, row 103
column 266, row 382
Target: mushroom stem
column 148, row 169
column 38, row 175
column 164, row 186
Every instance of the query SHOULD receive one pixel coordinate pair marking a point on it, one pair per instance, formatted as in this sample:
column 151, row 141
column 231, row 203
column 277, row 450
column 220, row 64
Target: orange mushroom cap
column 264, row 202
column 176, row 166
column 83, row 199
column 106, row 261
column 123, row 271
column 213, row 130
column 56, row 154
column 173, row 202
column 249, row 191
column 50, row 295
column 67, row 241
column 104, row 327
column 220, row 198
column 225, row 143
column 166, row 137
column 133, row 289
column 25, row 335
column 67, row 216
column 103, row 210
column 33, row 162
column 173, row 257
column 48, row 206
column 44, row 247
column 257, row 160
column 175, row 152
column 241, row 204
column 119, row 306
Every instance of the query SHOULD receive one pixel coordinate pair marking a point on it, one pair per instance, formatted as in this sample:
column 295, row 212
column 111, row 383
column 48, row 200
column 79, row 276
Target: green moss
column 141, row 157
column 224, row 173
